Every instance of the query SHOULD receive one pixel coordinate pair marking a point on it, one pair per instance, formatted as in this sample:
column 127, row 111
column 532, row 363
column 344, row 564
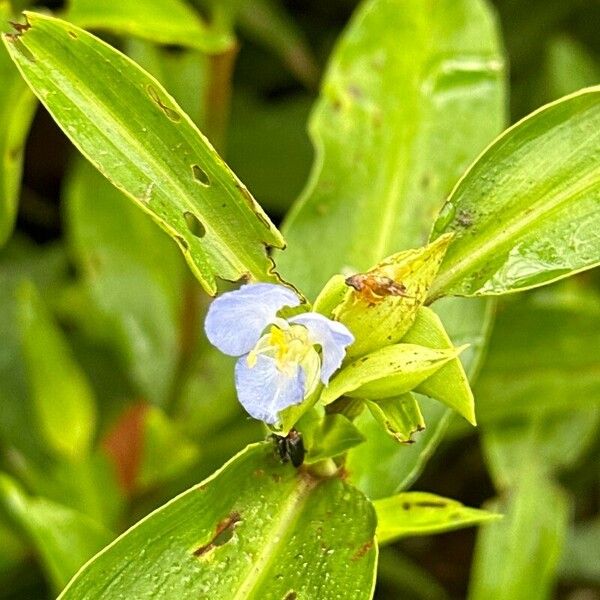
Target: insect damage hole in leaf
column 200, row 175
column 224, row 533
column 169, row 112
column 194, row 225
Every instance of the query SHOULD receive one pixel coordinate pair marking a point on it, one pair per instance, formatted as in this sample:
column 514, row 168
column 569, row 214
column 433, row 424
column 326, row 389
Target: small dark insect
column 374, row 288
column 290, row 447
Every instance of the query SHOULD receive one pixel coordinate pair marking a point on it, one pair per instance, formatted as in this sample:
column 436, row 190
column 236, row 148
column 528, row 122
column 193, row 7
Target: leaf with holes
column 17, row 105
column 127, row 125
column 413, row 92
column 528, row 211
column 161, row 21
column 256, row 529
column 421, row 513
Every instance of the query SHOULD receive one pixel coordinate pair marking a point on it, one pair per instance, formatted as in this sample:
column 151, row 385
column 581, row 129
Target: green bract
column 380, row 305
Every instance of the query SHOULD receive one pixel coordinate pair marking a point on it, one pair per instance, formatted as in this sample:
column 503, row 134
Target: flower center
column 287, row 344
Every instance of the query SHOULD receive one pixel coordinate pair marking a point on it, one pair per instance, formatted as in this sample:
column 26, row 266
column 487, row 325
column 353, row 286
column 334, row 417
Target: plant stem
column 218, row 96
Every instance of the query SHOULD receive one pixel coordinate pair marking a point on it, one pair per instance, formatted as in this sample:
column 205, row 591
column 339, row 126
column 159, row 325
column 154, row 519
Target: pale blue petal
column 264, row 390
column 236, row 319
column 332, row 336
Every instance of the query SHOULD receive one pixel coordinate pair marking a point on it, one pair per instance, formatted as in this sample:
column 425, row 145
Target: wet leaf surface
column 256, row 529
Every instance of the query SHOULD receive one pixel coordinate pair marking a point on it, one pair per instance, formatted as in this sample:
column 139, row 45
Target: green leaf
column 267, row 23
column 162, row 438
column 413, row 92
column 543, row 358
column 120, row 252
column 581, row 553
column 421, row 513
column 255, row 529
column 329, row 436
column 127, row 125
column 400, row 416
column 391, row 371
column 62, row 538
column 184, row 73
column 63, row 399
column 87, row 485
column 557, row 441
column 17, row 105
column 569, row 67
column 449, row 385
column 48, row 268
column 381, row 467
column 162, row 21
column 539, row 394
column 380, row 305
column 406, row 577
column 527, row 211
column 516, row 557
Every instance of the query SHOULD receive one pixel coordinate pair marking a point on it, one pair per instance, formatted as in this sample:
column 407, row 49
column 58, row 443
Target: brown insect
column 374, row 288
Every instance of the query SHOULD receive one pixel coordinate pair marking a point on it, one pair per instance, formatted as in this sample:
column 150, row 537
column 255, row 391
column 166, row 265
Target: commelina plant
column 355, row 335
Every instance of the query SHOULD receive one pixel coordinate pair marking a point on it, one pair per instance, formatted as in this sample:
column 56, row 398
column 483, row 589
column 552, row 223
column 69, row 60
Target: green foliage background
column 111, row 400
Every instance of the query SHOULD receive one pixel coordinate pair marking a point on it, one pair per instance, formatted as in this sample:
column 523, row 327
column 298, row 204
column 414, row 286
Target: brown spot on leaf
column 362, row 550
column 223, row 534
column 430, row 504
column 21, row 27
column 15, row 151
column 465, row 219
column 355, row 91
column 291, row 596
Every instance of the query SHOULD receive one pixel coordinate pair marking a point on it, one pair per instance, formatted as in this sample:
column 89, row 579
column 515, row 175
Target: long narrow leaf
column 528, row 211
column 127, row 125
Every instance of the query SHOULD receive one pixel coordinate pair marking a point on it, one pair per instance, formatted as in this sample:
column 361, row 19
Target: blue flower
column 281, row 360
